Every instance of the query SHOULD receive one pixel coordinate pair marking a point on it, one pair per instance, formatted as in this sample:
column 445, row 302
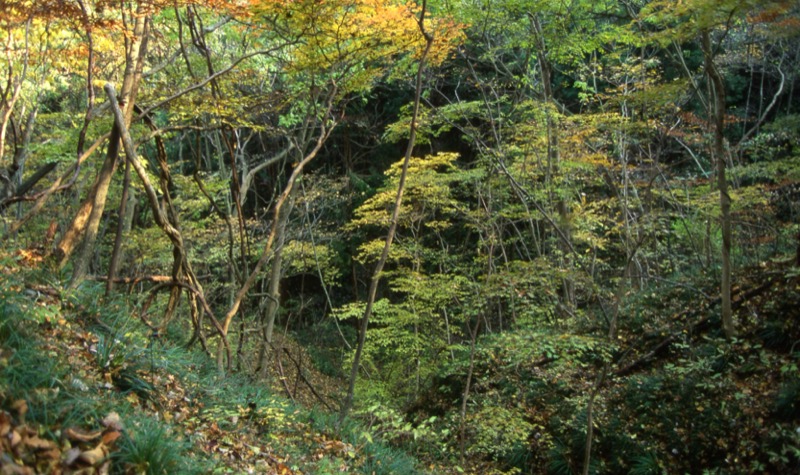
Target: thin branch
column 209, row 79
column 760, row 120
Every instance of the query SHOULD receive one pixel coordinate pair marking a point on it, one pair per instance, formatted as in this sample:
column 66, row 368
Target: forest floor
column 84, row 388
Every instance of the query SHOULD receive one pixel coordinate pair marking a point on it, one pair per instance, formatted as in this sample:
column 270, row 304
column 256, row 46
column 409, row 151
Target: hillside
column 86, row 388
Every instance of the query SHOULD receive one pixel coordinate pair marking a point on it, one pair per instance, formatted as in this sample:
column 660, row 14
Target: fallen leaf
column 5, row 423
column 94, row 456
column 14, row 439
column 53, row 454
column 39, row 444
column 113, row 421
column 71, row 456
column 81, row 436
column 21, row 406
column 13, row 469
column 110, row 436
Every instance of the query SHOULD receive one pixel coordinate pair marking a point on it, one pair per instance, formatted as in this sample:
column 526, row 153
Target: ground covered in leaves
column 84, row 388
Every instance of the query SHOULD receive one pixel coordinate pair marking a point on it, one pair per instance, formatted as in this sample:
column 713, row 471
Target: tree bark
column 116, row 254
column 462, row 435
column 96, row 201
column 6, row 102
column 14, row 188
column 274, row 286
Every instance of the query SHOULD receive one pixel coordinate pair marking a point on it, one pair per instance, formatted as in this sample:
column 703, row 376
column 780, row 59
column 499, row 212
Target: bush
column 152, row 449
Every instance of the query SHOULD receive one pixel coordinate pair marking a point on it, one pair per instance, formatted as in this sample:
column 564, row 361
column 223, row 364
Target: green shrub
column 787, row 401
column 384, row 460
column 149, row 447
column 646, row 464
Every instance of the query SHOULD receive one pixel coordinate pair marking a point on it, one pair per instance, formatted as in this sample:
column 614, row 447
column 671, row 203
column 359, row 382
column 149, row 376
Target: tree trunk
column 326, row 125
column 462, row 436
column 163, row 221
column 376, row 275
column 8, row 103
column 275, row 275
column 96, row 201
column 14, row 186
column 722, row 182
column 116, row 254
column 87, row 219
column 553, row 158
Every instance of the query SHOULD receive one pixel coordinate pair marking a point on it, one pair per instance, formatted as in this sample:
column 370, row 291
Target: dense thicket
column 594, row 265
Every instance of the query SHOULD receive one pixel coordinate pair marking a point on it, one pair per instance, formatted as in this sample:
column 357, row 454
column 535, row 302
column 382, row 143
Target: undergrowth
column 76, row 359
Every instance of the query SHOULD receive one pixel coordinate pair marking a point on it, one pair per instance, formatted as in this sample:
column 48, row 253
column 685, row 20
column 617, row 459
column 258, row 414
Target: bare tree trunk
column 133, row 71
column 587, row 453
column 275, row 276
column 7, row 103
column 376, row 275
column 97, row 201
column 74, row 233
column 23, row 148
column 116, row 254
column 722, row 182
column 14, row 186
column 462, row 436
column 88, row 217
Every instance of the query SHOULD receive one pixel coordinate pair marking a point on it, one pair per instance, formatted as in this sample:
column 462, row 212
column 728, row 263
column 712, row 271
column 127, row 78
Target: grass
column 151, row 447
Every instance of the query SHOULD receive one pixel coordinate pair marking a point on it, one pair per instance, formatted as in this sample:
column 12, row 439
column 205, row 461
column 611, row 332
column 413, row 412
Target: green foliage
column 787, row 401
column 782, row 447
column 689, row 18
column 390, row 425
column 646, row 464
column 427, row 200
column 534, row 214
column 497, row 430
column 302, row 257
column 526, row 289
column 151, row 448
column 384, row 460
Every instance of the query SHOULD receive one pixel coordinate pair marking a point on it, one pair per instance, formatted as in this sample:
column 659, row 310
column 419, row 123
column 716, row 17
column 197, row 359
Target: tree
column 701, row 21
column 376, row 275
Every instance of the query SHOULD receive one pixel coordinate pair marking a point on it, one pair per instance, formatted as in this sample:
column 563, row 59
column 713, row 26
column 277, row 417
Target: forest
column 399, row 236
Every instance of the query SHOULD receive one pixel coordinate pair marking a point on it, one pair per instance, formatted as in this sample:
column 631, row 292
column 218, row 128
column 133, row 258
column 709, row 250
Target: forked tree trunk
column 164, row 222
column 274, row 287
column 326, row 126
column 87, row 219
